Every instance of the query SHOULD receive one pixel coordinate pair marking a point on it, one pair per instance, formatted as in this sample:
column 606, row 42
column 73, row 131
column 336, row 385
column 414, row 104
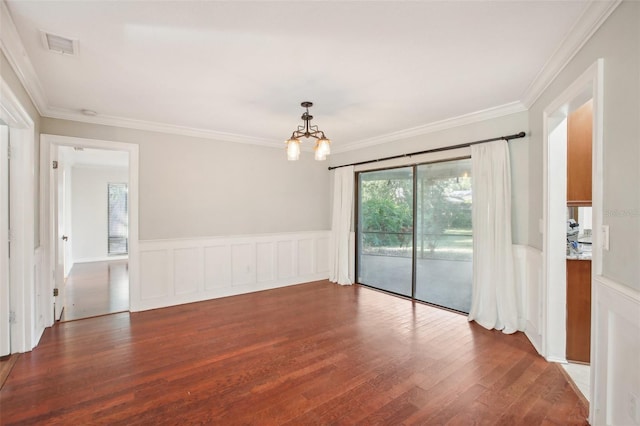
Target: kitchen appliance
column 573, row 229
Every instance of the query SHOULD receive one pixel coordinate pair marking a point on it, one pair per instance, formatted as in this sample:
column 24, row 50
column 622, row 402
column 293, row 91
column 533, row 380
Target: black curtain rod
column 444, row 148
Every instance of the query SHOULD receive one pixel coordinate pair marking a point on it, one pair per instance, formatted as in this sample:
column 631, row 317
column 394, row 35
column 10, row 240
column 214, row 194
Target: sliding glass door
column 444, row 238
column 385, row 229
column 423, row 247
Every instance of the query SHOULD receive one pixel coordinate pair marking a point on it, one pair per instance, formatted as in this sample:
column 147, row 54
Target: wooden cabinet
column 578, row 310
column 579, row 135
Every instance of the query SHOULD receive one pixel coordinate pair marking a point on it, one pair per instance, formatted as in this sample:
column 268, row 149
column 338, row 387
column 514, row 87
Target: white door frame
column 28, row 325
column 48, row 225
column 588, row 86
column 5, row 305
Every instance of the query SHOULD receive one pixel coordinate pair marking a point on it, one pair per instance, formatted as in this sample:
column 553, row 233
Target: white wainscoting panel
column 179, row 271
column 243, row 263
column 305, row 256
column 286, row 258
column 615, row 354
column 528, row 275
column 322, row 255
column 187, row 276
column 265, row 262
column 154, row 268
column 217, row 266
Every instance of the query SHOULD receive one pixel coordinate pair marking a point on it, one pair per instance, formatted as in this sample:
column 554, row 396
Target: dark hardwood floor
column 96, row 288
column 315, row 353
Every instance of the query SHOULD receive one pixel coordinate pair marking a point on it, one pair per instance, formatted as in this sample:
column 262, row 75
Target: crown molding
column 436, row 126
column 13, row 49
column 151, row 126
column 591, row 19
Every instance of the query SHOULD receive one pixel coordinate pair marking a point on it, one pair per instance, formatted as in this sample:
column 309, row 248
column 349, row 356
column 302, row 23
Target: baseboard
column 224, row 292
column 533, row 334
column 100, row 259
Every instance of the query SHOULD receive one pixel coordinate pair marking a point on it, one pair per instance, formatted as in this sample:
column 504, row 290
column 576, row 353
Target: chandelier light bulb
column 325, row 146
column 293, row 149
column 319, row 154
column 322, row 149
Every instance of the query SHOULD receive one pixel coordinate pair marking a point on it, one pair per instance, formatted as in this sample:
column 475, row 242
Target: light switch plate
column 605, row 237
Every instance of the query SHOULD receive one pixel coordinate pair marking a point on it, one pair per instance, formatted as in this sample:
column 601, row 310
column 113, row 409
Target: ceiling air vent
column 59, row 44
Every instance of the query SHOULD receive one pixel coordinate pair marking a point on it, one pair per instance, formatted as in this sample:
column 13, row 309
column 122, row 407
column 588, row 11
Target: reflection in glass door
column 385, row 229
column 438, row 269
column 444, row 237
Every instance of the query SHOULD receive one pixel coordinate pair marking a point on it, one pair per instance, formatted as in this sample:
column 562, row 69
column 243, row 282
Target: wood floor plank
column 316, row 353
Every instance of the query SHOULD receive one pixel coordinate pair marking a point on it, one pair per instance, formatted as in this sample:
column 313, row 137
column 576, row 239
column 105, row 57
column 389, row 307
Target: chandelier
column 323, row 145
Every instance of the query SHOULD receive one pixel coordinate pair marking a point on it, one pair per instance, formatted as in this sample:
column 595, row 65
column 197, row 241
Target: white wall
column 615, row 293
column 89, row 207
column 218, row 218
column 618, row 42
column 192, row 187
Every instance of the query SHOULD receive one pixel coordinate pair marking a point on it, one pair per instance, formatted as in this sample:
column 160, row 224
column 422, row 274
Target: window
column 118, row 233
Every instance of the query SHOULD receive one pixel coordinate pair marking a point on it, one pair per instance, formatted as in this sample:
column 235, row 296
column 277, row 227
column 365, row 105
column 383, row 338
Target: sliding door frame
column 414, row 166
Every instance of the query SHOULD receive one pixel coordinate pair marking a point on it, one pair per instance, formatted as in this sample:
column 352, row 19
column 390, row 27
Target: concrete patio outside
column 441, row 282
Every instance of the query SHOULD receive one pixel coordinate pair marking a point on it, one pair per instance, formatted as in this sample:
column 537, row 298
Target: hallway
column 96, row 288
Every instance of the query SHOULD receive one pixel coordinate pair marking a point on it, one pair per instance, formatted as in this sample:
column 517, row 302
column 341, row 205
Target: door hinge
column 55, row 292
column 12, row 317
column 55, row 164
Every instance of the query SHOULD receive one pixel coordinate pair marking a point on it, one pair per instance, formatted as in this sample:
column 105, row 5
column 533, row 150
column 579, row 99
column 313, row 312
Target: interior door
column 59, row 236
column 5, row 328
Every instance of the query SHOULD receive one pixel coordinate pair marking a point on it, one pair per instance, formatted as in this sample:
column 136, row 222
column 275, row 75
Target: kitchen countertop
column 579, row 256
column 584, row 249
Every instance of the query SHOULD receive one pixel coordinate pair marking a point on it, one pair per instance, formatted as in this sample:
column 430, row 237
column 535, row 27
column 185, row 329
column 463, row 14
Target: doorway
column 92, row 232
column 22, row 294
column 556, row 128
column 94, row 262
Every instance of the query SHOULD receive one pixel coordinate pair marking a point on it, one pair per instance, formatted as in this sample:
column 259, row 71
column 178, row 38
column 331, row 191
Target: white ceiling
column 238, row 70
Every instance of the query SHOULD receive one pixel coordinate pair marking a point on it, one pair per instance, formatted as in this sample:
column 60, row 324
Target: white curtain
column 341, row 225
column 494, row 301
